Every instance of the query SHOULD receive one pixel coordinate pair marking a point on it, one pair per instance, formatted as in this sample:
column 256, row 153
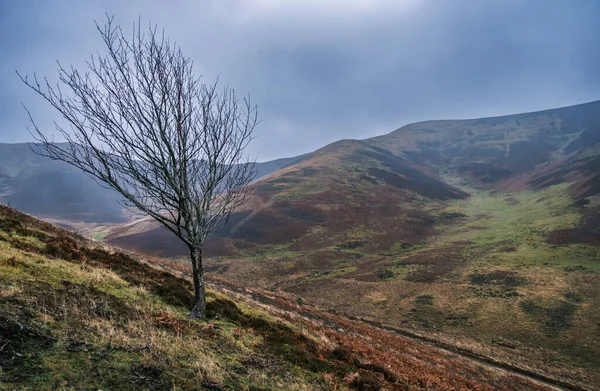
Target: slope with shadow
column 60, row 192
column 348, row 194
column 496, row 151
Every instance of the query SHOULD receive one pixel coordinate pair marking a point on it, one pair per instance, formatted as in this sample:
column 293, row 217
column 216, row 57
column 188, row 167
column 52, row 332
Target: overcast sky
column 324, row 70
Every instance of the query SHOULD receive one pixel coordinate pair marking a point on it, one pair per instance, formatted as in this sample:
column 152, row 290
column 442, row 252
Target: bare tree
column 141, row 123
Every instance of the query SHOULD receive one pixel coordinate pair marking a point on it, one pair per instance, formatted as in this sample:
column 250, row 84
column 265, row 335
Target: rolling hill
column 47, row 188
column 481, row 233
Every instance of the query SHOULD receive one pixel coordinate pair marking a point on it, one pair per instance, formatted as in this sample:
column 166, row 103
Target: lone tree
column 144, row 125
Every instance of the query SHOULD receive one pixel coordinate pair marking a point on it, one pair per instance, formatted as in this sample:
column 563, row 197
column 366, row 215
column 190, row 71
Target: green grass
column 401, row 271
column 340, row 272
column 75, row 317
column 99, row 236
column 510, row 229
column 526, row 296
column 494, row 280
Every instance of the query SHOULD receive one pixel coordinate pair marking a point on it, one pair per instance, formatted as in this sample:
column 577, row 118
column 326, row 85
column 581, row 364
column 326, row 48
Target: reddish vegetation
column 269, row 226
column 160, row 242
column 391, row 360
column 378, row 198
column 350, row 352
column 584, row 173
column 588, row 232
column 438, row 262
column 380, row 210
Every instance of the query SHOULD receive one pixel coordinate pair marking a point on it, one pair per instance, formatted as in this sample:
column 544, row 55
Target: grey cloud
column 321, row 71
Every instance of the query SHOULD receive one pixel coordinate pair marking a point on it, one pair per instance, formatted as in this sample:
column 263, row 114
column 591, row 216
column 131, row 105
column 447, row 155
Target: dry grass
column 78, row 317
column 501, row 290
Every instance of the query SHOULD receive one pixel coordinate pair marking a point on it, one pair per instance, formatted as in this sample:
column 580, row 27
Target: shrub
column 384, row 273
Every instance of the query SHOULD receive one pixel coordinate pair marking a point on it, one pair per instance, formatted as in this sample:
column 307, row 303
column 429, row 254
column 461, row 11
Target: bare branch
column 142, row 123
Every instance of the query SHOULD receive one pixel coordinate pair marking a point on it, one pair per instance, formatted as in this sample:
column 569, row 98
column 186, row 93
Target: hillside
column 76, row 315
column 59, row 192
column 48, row 188
column 343, row 194
column 482, row 233
column 352, row 189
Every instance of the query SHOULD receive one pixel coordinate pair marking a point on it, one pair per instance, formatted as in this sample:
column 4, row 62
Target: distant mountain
column 497, row 150
column 265, row 168
column 56, row 190
column 43, row 187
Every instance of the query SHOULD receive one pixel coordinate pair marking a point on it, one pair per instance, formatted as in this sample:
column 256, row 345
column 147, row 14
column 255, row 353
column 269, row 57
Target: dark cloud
column 325, row 70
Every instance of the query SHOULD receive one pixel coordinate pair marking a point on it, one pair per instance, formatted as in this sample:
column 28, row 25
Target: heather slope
column 75, row 315
column 381, row 188
column 337, row 196
column 482, row 233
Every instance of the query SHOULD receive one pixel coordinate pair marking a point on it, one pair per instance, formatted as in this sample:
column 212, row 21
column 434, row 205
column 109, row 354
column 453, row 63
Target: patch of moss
column 424, row 300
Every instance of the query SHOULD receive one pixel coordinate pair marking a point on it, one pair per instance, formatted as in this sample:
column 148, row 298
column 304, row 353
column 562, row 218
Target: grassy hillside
column 493, row 279
column 484, row 233
column 349, row 194
column 77, row 316
column 378, row 192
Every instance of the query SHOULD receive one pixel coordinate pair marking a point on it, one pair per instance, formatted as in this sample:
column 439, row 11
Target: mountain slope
column 338, row 195
column 494, row 150
column 53, row 189
column 265, row 168
column 354, row 188
column 77, row 316
column 481, row 232
column 60, row 192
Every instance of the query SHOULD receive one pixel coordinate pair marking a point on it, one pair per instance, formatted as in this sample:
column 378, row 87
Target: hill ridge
column 502, row 116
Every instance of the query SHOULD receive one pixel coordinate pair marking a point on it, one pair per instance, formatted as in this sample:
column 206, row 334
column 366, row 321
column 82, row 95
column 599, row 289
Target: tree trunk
column 199, row 310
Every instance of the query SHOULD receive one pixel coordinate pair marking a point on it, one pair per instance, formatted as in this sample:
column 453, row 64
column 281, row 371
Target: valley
column 478, row 235
column 259, row 195
column 491, row 281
